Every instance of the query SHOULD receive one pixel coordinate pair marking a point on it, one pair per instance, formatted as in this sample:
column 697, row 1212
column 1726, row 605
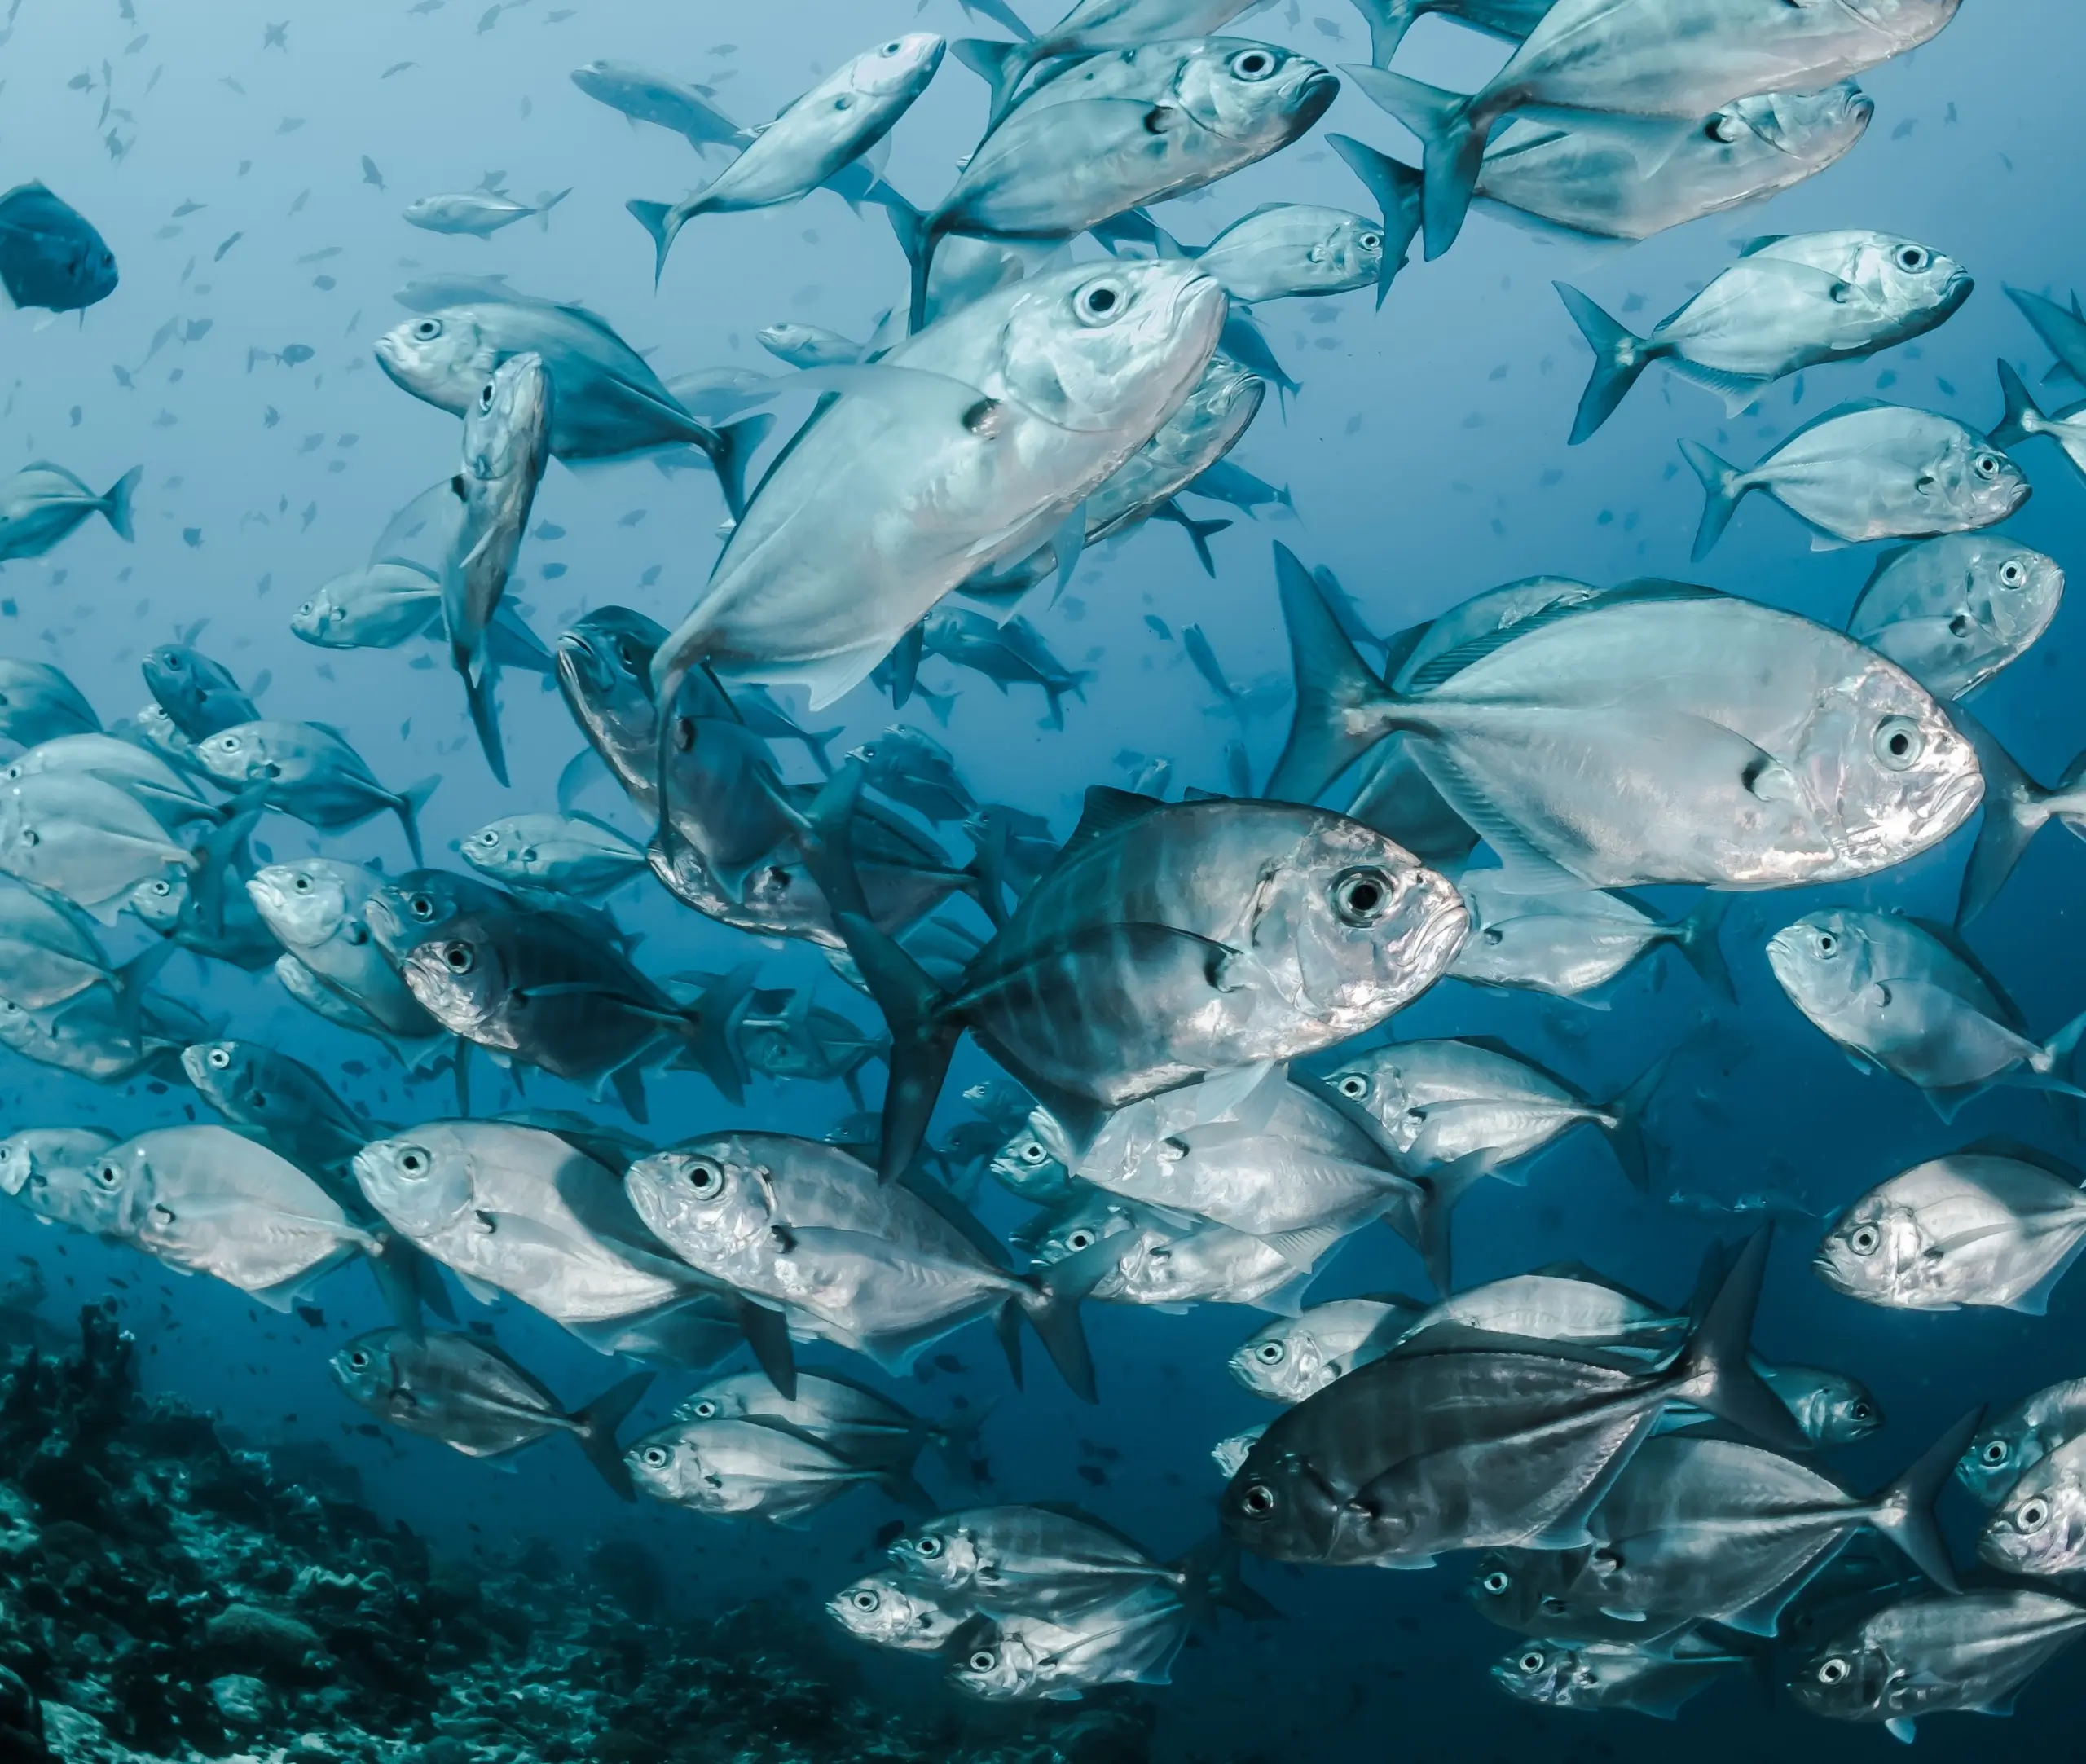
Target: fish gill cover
column 610, row 827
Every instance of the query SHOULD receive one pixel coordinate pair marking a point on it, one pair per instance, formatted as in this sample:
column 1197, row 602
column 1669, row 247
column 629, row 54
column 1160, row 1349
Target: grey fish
column 1008, row 1561
column 323, row 1000
column 477, row 1400
column 1295, row 1358
column 1868, row 471
column 644, row 96
column 41, row 503
column 1598, row 177
column 175, row 907
column 2038, row 1525
column 1440, row 1448
column 51, row 255
column 910, row 766
column 376, row 608
column 423, row 904
column 51, row 1172
column 1953, row 611
column 1090, row 28
column 884, row 1611
column 110, row 1032
column 860, row 1424
column 607, row 403
column 84, row 837
column 1008, row 654
column 813, row 141
column 1789, row 303
column 1579, row 781
column 480, row 213
column 317, row 908
column 801, row 1040
column 1167, row 1262
column 49, row 951
column 2023, row 1436
column 605, row 674
column 1925, row 1656
column 38, row 703
column 809, row 345
column 1644, row 58
column 569, row 853
column 884, row 1268
column 1102, row 136
column 266, row 1092
column 169, row 796
column 755, row 1468
column 309, row 771
column 1597, row 1676
column 1973, row 1229
column 1129, row 1639
column 1028, row 1168
column 202, row 695
column 1907, row 998
column 1388, row 21
column 1167, row 941
column 1571, row 945
column 525, row 1211
column 1291, row 250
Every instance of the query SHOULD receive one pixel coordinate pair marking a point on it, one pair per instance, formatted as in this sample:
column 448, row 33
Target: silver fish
column 49, row 951
column 309, row 771
column 2021, row 1436
column 323, row 1000
column 52, row 1172
column 754, row 1468
column 1388, row 21
column 316, row 908
column 572, row 853
column 84, row 837
column 43, row 503
column 644, row 96
column 2038, row 1525
column 809, row 345
column 1953, row 611
column 1295, row 1358
column 860, row 1424
column 1285, row 250
column 884, row 1610
column 1130, row 1639
column 1595, row 1676
column 480, row 213
column 38, row 703
column 1007, row 1561
column 266, row 1092
column 1093, row 27
column 1167, row 1262
column 110, row 1032
column 1571, row 945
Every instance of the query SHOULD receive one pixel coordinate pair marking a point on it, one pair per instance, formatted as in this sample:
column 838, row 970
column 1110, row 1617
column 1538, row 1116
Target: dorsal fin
column 1753, row 247
column 1951, row 940
column 1105, row 811
column 1451, row 662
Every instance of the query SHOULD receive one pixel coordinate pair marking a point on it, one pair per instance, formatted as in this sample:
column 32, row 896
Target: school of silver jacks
column 1183, row 995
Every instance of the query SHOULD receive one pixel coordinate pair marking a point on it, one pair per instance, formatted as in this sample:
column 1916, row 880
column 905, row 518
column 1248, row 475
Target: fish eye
column 1862, row 1412
column 706, row 1410
column 1899, row 742
column 1353, row 1086
column 1497, row 1581
column 428, row 330
column 893, row 48
column 865, row 1600
column 413, row 1161
column 31, row 837
column 2033, row 1515
column 844, row 102
column 1080, row 1239
column 1258, row 1501
column 1912, row 257
column 2014, row 574
column 458, row 958
column 927, row 1548
column 108, row 1175
column 1360, row 896
column 1725, row 126
column 486, row 397
column 626, row 655
column 161, row 887
column 421, row 906
column 1531, row 1662
column 704, row 1178
column 487, row 837
column 1034, row 1152
column 1252, row 64
column 230, row 744
column 1832, row 1671
column 1827, row 945
column 1994, row 1454
column 1865, row 1240
column 1098, row 302
column 1493, row 935
column 654, row 1455
column 302, row 884
column 1370, row 241
column 1269, row 1352
column 1986, row 465
column 218, row 1059
column 358, row 1357
column 984, row 1659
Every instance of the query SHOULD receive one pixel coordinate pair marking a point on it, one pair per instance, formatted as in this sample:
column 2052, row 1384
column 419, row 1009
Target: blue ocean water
column 1427, row 456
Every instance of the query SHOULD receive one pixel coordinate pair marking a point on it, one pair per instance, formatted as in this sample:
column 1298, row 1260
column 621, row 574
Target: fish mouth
column 1953, row 808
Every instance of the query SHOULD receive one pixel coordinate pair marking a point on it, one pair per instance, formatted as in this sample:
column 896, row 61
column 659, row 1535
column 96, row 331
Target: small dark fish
column 200, row 695
column 51, row 255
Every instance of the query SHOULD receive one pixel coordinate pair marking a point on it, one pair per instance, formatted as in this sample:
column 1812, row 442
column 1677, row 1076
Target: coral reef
column 163, row 1595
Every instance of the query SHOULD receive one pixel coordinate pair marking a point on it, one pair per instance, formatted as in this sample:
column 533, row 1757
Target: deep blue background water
column 1428, row 458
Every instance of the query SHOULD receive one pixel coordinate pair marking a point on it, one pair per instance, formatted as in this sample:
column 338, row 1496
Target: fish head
column 668, row 1467
column 507, row 426
column 1252, row 92
column 68, row 1177
column 30, row 1159
column 1970, row 483
column 1282, row 1362
column 1027, row 1166
column 441, row 357
column 1877, row 1251
column 1814, row 128
column 458, row 977
column 499, row 849
column 221, row 1071
column 160, row 900
column 604, row 669
column 365, row 1369
column 1902, row 282
column 421, row 1182
column 1000, row 1666
column 1374, row 1081
column 1548, row 1673
column 422, row 904
column 898, row 68
column 2013, row 592
column 1849, row 1680
column 306, row 903
column 243, row 754
column 946, row 1552
column 1521, row 1589
column 1110, row 347
column 878, row 1609
column 1280, row 1506
column 1825, row 963
column 1999, row 1455
column 2039, row 1527
column 176, row 675
column 710, row 1195
column 317, row 619
column 1831, row 1408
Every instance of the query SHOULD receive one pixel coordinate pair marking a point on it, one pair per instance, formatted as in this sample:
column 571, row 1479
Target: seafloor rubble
column 163, row 1595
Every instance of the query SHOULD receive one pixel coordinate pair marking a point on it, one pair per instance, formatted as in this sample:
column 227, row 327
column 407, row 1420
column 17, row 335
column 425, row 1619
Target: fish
column 1091, row 28
column 201, row 697
column 813, row 141
column 1291, row 1358
column 168, row 797
column 2025, row 419
column 480, row 213
column 49, row 951
column 861, row 1425
column 884, row 1268
column 1868, row 471
column 644, row 96
column 605, row 676
column 756, row 1467
column 1112, row 132
column 1572, row 945
column 1388, row 21
column 471, row 1395
column 1437, row 1448
column 51, row 1171
column 569, row 853
column 606, row 402
column 2063, row 333
column 1168, row 942
column 1009, row 1561
column 1953, row 611
column 1648, row 58
column 1925, row 1656
column 1009, row 654
column 1131, row 1639
column 506, row 435
column 1564, row 781
column 1976, row 1228
column 416, row 1054
column 43, row 503
column 264, row 1091
column 51, row 255
column 913, row 769
column 2016, row 809
column 1908, row 998
column 1003, row 418
column 84, row 837
column 2038, row 1525
column 38, row 703
column 317, row 909
column 1293, row 250
column 1168, row 1261
column 1595, row 1676
column 809, row 345
column 1789, row 303
column 801, row 1040
column 1565, row 1305
column 1583, row 175
column 308, row 770
column 523, row 1211
column 882, row 1610
column 2021, row 1436
column 381, row 607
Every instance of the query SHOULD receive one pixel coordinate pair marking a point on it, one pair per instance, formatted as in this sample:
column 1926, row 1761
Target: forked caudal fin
column 664, row 222
column 1699, row 939
column 1725, row 487
column 1399, row 191
column 1620, row 357
column 594, row 1428
column 1624, row 1129
column 1453, row 136
column 1342, row 708
column 1904, row 1512
column 1001, row 66
column 1714, row 1371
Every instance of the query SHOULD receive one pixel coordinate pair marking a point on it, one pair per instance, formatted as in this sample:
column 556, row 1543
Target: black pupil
column 458, row 958
column 1900, row 744
column 1102, row 300
column 1365, row 897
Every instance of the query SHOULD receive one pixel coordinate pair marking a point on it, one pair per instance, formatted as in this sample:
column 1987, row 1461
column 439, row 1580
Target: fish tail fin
column 1723, row 485
column 1624, row 1129
column 478, row 684
column 922, row 1038
column 1200, row 533
column 2016, row 809
column 1210, row 1581
column 1904, row 1512
column 817, row 741
column 767, row 1332
column 1699, row 939
column 409, row 807
column 547, row 201
column 219, row 856
column 956, row 1441
column 916, row 238
column 1400, row 192
column 1620, row 356
column 712, row 1031
column 595, row 1427
column 1454, row 137
column 1050, row 1299
column 664, row 222
column 737, row 444
column 1432, row 1213
column 402, row 1273
column 1342, row 708
column 1716, row 1370
column 2060, row 1047
column 116, row 505
column 1388, row 21
column 1001, row 66
column 2024, row 416
column 135, row 979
